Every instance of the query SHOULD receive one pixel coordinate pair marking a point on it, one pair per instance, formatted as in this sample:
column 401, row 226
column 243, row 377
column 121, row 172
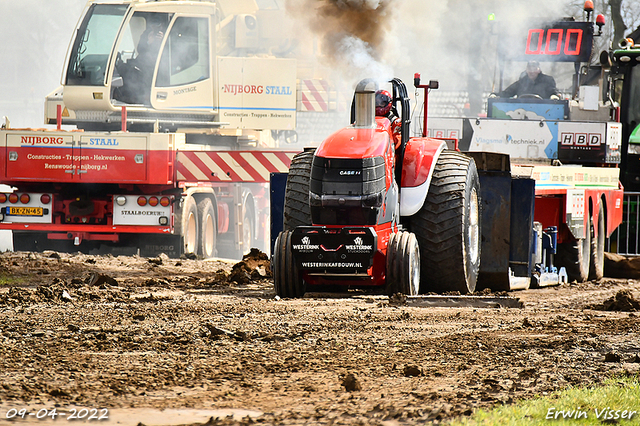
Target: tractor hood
column 357, row 143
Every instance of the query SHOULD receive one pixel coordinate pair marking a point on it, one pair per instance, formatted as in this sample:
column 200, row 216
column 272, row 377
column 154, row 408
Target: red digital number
column 540, row 38
column 555, row 41
column 554, row 35
column 578, row 37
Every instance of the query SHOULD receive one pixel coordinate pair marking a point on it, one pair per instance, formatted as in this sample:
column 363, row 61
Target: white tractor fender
column 412, row 197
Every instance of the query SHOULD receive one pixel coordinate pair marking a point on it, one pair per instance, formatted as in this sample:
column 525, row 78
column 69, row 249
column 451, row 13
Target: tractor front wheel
column 403, row 264
column 286, row 277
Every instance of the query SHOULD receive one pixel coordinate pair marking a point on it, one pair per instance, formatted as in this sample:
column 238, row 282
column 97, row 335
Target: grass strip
column 615, row 401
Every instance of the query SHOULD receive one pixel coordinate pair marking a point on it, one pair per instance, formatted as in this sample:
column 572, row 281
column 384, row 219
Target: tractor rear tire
column 287, row 282
column 296, row 196
column 448, row 226
column 403, row 264
column 596, row 269
column 575, row 257
column 208, row 230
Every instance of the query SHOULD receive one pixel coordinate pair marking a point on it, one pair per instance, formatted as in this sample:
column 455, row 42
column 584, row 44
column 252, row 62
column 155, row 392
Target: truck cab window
column 137, row 56
column 185, row 58
column 92, row 46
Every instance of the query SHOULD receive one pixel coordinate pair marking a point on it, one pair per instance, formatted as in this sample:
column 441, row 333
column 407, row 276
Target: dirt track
column 132, row 335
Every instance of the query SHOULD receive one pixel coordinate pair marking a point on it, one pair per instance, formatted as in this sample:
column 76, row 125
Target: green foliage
column 7, row 280
column 595, row 405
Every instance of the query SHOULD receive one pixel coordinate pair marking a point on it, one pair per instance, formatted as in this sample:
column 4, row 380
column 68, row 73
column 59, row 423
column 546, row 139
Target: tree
column 619, row 27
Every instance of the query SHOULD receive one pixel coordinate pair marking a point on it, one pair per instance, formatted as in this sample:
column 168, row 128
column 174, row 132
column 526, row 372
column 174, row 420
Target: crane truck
column 179, row 112
column 527, row 202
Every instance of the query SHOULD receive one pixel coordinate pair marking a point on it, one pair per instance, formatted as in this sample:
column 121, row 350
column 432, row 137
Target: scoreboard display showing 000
column 564, row 41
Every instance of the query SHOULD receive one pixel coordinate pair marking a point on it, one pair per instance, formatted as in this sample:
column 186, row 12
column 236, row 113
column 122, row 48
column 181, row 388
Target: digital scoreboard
column 564, row 41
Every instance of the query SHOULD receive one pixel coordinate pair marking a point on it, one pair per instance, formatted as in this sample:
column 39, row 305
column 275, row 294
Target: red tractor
column 363, row 210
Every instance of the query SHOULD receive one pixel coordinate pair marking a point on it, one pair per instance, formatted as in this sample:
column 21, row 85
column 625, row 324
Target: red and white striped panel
column 231, row 166
column 314, row 95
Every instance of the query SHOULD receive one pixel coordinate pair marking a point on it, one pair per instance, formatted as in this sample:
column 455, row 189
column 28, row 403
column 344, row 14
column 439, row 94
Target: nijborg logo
column 40, row 140
column 236, row 89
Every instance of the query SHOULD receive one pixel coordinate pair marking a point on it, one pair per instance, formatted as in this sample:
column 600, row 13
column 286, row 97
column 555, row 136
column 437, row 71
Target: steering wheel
column 529, row 96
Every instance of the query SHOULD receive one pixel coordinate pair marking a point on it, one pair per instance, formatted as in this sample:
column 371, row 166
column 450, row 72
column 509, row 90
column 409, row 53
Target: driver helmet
column 383, row 103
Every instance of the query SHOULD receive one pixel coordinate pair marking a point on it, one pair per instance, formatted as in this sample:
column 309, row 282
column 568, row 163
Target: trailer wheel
column 247, row 232
column 448, row 226
column 296, row 196
column 596, row 270
column 575, row 256
column 286, row 277
column 403, row 264
column 208, row 233
column 189, row 226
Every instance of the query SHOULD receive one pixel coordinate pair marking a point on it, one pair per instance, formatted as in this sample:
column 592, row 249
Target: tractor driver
column 384, row 104
column 533, row 82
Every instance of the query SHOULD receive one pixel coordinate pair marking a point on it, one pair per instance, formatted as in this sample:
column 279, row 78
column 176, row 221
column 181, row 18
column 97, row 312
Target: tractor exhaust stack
column 365, row 104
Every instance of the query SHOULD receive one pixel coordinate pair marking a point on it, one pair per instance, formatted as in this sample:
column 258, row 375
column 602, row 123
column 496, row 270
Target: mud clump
column 54, row 293
column 623, row 301
column 412, row 371
column 253, row 266
column 351, row 383
column 618, row 266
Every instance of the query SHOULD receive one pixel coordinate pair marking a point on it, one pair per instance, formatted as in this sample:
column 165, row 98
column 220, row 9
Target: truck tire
column 403, row 264
column 596, row 269
column 296, row 196
column 286, row 277
column 575, row 257
column 208, row 234
column 188, row 222
column 448, row 226
column 248, row 227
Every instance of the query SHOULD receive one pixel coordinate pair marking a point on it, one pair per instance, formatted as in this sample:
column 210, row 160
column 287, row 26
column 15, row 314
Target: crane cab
column 174, row 65
column 143, row 56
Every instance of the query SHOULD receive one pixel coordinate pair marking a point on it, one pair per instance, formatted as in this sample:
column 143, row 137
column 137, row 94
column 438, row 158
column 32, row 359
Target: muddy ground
column 168, row 341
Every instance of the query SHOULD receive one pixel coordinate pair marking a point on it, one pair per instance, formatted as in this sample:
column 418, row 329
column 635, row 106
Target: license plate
column 24, row 211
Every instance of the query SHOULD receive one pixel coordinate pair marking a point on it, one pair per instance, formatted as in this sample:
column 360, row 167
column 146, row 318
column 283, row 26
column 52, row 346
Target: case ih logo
column 581, row 139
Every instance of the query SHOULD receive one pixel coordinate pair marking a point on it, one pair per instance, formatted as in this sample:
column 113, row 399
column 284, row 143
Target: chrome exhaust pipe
column 365, row 104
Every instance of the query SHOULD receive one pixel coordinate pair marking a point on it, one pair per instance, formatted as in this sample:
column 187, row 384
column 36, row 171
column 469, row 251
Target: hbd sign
column 581, row 139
